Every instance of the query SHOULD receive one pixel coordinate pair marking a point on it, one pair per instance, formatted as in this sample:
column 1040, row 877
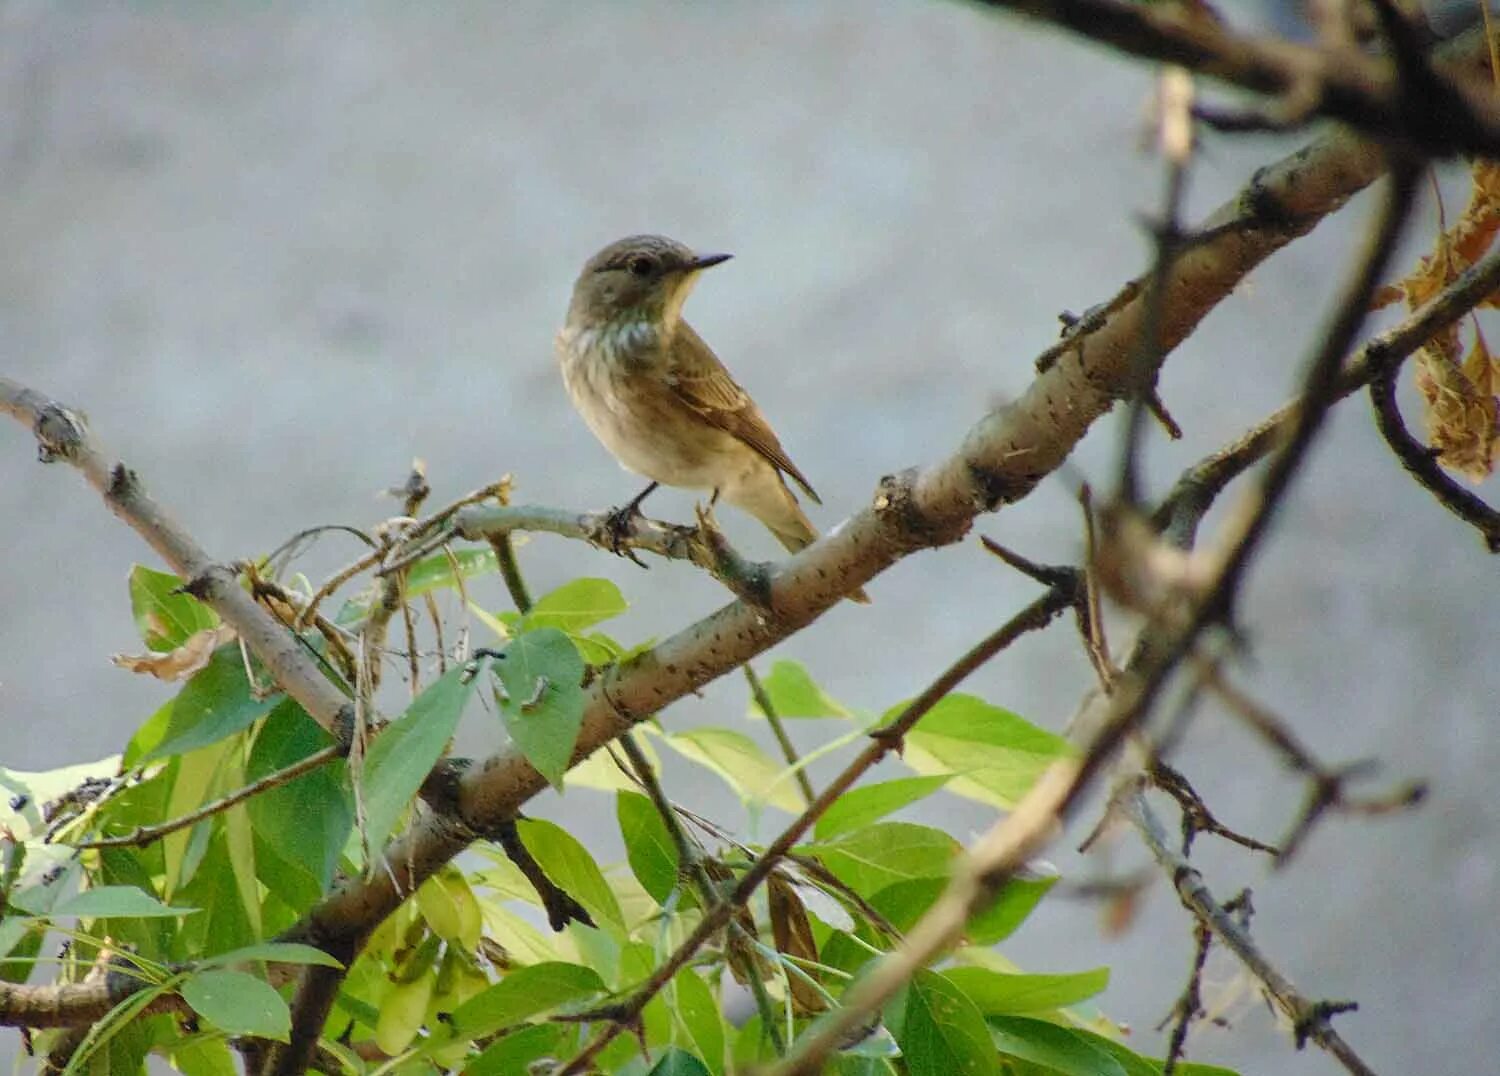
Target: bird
column 658, row 398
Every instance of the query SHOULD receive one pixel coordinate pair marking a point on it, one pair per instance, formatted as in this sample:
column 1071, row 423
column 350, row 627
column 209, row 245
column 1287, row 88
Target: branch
column 702, row 545
column 1039, row 816
column 1439, row 112
column 75, row 1004
column 778, row 729
column 1036, row 615
column 1421, row 463
column 1000, row 460
column 62, row 434
column 144, row 835
column 1326, row 790
column 1190, row 498
column 1309, row 1018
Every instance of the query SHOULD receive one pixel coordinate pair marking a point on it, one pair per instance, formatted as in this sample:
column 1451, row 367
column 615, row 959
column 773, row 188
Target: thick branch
column 74, row 1004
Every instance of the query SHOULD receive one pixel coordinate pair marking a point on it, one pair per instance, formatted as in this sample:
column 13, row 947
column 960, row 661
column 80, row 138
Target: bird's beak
column 707, row 261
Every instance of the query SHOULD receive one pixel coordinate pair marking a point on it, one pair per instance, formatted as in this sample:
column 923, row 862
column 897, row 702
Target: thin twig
column 144, row 835
column 1189, row 1006
column 788, row 749
column 1309, row 1018
column 1196, row 817
column 1174, row 98
column 1421, row 463
column 510, row 571
column 1183, row 508
column 409, row 624
column 689, row 856
column 416, row 530
column 1326, row 791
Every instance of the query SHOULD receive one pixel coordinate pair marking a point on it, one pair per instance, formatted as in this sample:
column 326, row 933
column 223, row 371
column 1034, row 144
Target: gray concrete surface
column 276, row 251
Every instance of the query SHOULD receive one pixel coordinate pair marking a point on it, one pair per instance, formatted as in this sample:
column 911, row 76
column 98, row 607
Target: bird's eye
column 641, row 266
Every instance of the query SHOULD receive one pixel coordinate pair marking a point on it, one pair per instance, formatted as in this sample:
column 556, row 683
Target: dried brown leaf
column 182, row 662
column 793, row 935
column 1460, row 408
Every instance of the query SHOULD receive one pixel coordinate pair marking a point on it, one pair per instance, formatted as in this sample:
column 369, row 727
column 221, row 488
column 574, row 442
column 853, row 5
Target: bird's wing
column 700, row 381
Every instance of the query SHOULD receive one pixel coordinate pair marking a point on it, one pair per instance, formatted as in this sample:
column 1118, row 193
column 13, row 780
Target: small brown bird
column 659, row 398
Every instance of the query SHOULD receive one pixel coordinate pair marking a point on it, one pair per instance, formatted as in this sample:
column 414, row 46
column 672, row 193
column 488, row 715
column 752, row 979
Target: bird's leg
column 619, row 521
column 714, row 499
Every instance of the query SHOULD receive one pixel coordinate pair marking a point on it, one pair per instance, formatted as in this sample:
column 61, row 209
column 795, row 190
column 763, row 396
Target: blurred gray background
column 275, row 251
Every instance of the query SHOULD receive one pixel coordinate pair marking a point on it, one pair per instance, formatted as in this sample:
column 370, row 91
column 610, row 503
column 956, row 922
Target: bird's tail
column 784, row 518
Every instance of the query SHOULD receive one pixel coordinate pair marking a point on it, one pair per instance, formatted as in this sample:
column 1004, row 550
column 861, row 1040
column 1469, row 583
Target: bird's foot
column 618, row 525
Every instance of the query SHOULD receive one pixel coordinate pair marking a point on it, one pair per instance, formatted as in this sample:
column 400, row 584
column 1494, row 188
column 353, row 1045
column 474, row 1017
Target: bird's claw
column 617, row 527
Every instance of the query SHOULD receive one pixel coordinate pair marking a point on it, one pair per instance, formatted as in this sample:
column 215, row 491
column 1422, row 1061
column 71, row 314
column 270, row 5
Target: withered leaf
column 184, row 661
column 792, row 933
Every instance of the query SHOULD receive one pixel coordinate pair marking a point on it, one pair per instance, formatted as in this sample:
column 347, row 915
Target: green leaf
column 20, row 942
column 118, row 1023
column 514, row 1054
column 223, row 924
column 203, row 1056
column 572, row 869
column 741, row 763
column 870, row 859
column 648, row 845
column 193, row 776
column 273, row 952
column 404, row 752
column 435, row 572
column 861, row 806
column 940, row 1031
column 451, row 909
column 994, row 755
column 794, row 693
column 697, row 1010
column 303, row 824
column 403, row 1010
column 677, row 1062
column 1136, row 1065
column 996, row 993
column 115, row 902
column 576, row 605
column 523, row 993
column 1015, row 901
column 904, row 902
column 165, row 617
column 1061, row 1049
column 237, row 1003
column 214, row 704
column 600, row 771
column 542, row 705
column 32, row 789
column 597, row 648
column 239, row 844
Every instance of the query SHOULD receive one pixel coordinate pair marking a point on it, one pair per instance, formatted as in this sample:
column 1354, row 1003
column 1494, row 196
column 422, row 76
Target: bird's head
column 642, row 278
